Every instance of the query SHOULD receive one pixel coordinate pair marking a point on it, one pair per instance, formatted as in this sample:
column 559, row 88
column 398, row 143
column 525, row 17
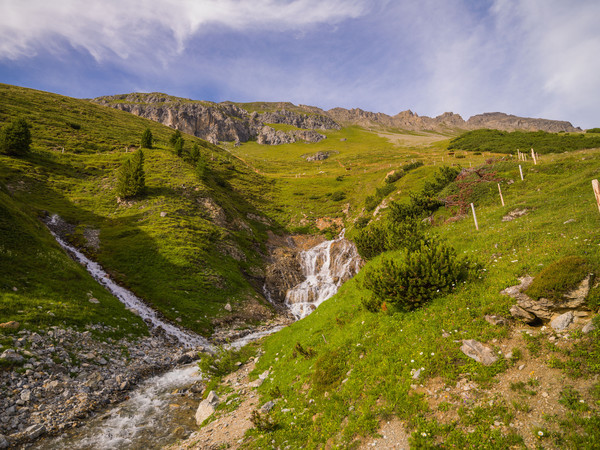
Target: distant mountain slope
column 240, row 122
column 448, row 121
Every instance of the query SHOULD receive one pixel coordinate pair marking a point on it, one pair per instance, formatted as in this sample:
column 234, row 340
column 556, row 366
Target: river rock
column 563, row 321
column 35, row 431
column 11, row 356
column 3, row 441
column 479, row 352
column 207, row 407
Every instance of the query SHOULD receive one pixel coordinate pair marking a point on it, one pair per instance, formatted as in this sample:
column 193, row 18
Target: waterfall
column 325, row 267
column 128, row 298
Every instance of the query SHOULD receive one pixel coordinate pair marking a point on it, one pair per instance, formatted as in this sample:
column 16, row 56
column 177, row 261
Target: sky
column 532, row 58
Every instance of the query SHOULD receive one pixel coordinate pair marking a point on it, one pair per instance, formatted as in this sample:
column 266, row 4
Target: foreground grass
column 360, row 366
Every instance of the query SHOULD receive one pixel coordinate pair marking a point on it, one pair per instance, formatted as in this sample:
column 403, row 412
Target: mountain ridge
column 241, row 122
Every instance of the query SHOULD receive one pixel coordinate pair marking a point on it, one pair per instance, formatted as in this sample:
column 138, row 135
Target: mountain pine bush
column 15, row 138
column 411, row 279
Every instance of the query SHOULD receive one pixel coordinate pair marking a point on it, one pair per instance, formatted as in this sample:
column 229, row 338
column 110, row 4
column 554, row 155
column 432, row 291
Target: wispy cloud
column 109, row 28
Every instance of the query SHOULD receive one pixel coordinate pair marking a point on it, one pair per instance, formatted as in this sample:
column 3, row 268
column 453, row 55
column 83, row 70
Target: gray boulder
column 479, row 352
column 588, row 327
column 563, row 321
column 3, row 441
column 11, row 356
column 207, row 407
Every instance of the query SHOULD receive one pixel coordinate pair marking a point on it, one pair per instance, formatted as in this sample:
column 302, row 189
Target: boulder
column 35, row 431
column 207, row 407
column 561, row 322
column 479, row 352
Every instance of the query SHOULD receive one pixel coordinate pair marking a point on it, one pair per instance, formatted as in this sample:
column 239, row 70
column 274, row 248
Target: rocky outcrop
column 270, row 136
column 226, row 121
column 408, row 120
column 560, row 313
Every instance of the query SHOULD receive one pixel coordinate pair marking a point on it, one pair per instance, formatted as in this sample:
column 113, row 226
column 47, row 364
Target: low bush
column 338, row 196
column 329, row 369
column 411, row 279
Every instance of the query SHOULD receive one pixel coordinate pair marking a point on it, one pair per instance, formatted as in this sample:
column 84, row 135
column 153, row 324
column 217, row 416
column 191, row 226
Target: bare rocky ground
column 228, row 428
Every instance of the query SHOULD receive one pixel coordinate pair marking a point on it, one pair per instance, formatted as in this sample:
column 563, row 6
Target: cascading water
column 128, row 298
column 325, row 267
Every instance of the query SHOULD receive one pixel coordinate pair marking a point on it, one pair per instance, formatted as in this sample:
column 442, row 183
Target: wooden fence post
column 533, row 157
column 475, row 217
column 596, row 187
column 521, row 172
column 501, row 198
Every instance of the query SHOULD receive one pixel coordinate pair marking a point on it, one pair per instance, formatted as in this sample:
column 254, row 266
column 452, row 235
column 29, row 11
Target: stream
column 158, row 412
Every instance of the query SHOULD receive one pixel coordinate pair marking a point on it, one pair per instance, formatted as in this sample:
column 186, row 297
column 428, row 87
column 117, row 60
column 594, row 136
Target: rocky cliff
column 222, row 121
column 448, row 121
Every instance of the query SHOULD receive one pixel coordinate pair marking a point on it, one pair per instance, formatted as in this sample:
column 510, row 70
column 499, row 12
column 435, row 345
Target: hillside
column 189, row 247
column 349, row 376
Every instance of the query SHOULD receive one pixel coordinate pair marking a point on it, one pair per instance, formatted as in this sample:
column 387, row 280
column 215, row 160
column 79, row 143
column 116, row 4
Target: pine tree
column 179, row 146
column 131, row 179
column 138, row 177
column 146, row 138
column 15, row 138
column 195, row 153
column 175, row 137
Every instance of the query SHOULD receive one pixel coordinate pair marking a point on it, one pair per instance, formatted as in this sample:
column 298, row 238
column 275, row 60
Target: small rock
column 12, row 325
column 163, row 214
column 519, row 313
column 94, row 300
column 479, row 352
column 3, row 441
column 35, row 431
column 267, row 406
column 588, row 327
column 568, row 221
column 563, row 321
column 544, row 394
column 228, row 307
column 495, row 320
column 522, row 366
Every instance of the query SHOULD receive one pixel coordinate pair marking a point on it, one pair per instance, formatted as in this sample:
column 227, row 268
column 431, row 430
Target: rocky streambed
column 63, row 375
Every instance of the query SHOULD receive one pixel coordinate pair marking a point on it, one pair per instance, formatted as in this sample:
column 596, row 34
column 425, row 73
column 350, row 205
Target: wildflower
column 432, row 354
column 424, row 434
column 540, row 433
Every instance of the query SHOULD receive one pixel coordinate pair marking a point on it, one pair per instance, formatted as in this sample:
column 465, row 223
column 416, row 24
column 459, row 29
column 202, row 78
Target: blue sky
column 534, row 58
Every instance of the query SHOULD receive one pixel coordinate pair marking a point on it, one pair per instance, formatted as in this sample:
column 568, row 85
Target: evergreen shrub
column 15, row 138
column 411, row 279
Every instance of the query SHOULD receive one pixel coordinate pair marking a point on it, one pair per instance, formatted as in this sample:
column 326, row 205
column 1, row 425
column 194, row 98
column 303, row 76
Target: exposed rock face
column 319, row 156
column 216, row 122
column 270, row 136
column 559, row 313
column 207, row 407
column 408, row 120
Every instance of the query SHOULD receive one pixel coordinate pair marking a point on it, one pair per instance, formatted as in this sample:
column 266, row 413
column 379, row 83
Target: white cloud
column 109, row 27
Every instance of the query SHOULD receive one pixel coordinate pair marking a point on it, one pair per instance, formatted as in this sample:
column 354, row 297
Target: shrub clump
column 329, row 369
column 411, row 279
column 15, row 138
column 559, row 278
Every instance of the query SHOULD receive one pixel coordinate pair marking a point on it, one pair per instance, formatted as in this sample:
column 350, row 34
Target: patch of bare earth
column 530, row 389
column 413, row 140
column 228, row 428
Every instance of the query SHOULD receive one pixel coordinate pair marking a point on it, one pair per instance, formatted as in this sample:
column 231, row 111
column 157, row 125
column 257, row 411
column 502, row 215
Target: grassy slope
column 361, row 368
column 178, row 262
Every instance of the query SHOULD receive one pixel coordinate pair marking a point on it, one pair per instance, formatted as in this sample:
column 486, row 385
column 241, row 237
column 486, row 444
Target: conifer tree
column 131, row 179
column 15, row 138
column 146, row 138
column 179, row 146
column 175, row 137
